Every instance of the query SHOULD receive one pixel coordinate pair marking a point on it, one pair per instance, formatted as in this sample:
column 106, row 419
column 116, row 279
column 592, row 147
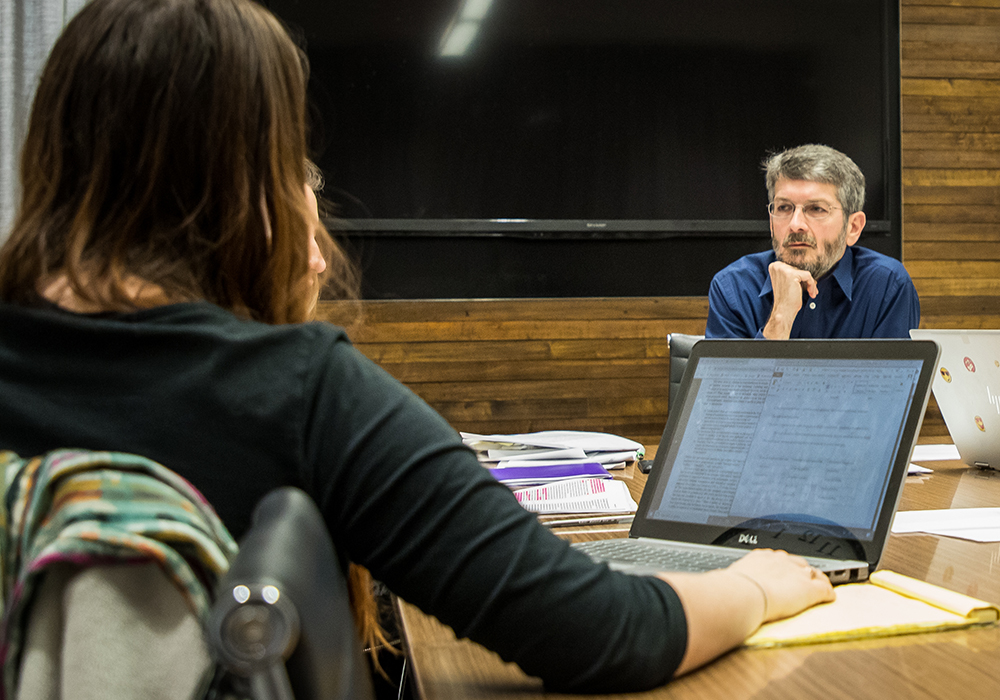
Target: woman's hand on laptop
column 725, row 606
column 787, row 583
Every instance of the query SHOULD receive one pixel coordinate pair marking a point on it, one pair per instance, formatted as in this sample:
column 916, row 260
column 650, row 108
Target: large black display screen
column 620, row 131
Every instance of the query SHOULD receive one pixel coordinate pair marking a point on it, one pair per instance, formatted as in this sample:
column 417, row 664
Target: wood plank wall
column 532, row 364
column 951, row 163
column 601, row 364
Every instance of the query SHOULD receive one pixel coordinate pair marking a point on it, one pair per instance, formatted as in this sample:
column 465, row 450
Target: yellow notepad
column 887, row 604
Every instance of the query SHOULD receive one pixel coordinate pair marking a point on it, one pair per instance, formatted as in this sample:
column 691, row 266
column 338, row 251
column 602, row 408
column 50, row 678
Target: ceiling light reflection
column 463, row 28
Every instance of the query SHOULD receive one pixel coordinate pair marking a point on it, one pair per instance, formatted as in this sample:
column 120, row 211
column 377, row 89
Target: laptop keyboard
column 627, row 551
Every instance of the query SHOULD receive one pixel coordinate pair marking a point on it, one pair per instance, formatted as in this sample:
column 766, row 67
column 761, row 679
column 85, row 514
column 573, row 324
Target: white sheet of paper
column 550, row 454
column 917, row 469
column 589, row 441
column 976, row 524
column 934, row 453
column 578, row 496
column 988, row 534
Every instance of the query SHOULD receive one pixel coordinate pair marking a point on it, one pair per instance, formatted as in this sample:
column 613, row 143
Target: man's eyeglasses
column 813, row 211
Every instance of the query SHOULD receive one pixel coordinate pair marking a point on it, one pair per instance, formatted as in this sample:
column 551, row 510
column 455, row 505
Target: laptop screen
column 793, row 444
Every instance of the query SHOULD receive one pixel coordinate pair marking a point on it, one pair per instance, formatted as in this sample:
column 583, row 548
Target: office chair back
column 282, row 616
column 680, row 350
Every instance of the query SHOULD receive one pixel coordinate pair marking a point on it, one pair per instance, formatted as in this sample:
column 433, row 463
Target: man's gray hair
column 817, row 163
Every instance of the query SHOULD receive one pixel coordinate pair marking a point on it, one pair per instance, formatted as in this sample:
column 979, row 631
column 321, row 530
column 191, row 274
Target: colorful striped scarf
column 85, row 508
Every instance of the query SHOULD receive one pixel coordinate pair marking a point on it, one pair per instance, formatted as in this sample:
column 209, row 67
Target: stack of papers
column 588, row 501
column 562, row 475
column 538, row 458
column 931, row 453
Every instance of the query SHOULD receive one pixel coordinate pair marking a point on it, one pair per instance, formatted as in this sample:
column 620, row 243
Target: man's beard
column 827, row 257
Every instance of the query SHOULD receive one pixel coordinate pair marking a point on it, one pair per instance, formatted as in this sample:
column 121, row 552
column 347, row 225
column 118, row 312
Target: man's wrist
column 777, row 328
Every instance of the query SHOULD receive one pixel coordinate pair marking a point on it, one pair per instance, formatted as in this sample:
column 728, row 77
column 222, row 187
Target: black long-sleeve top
column 239, row 408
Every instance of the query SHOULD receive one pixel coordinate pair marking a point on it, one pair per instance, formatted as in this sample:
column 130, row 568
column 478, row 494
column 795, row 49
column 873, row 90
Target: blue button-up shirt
column 867, row 295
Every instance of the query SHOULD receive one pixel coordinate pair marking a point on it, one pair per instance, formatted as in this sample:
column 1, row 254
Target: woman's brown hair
column 167, row 145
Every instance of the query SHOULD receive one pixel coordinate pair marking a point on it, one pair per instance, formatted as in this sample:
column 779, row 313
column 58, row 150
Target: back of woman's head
column 167, row 144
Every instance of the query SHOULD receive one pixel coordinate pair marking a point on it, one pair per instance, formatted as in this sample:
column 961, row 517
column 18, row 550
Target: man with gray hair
column 814, row 283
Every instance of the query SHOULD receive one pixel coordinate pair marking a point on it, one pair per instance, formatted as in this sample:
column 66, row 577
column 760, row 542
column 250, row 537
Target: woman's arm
column 724, row 607
column 406, row 499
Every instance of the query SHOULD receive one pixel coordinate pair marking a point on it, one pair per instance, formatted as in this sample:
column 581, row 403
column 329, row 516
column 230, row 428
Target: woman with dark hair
column 154, row 298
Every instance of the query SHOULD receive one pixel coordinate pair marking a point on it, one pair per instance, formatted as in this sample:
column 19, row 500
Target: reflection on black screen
column 587, row 109
column 764, row 437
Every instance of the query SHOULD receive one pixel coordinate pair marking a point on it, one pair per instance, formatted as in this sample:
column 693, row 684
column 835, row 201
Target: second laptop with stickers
column 967, row 390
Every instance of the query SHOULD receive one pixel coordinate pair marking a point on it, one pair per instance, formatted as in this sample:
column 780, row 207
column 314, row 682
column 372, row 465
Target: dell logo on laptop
column 748, row 539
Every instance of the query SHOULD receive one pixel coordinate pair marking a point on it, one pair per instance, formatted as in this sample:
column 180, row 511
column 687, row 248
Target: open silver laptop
column 967, row 390
column 801, row 445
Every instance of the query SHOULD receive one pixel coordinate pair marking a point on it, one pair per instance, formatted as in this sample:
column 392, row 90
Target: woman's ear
column 317, row 263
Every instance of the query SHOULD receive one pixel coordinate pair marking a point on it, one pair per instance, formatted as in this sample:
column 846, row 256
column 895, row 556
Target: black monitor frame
column 505, row 254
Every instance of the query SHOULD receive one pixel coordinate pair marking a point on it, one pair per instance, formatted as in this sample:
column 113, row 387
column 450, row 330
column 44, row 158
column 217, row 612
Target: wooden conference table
column 947, row 665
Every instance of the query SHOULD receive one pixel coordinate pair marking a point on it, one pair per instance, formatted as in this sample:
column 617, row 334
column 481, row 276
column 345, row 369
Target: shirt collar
column 843, row 275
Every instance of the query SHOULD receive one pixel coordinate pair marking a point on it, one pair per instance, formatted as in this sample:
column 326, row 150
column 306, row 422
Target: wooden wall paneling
column 530, row 364
column 950, row 52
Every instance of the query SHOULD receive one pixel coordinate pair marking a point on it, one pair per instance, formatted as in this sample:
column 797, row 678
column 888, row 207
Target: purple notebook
column 518, row 476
